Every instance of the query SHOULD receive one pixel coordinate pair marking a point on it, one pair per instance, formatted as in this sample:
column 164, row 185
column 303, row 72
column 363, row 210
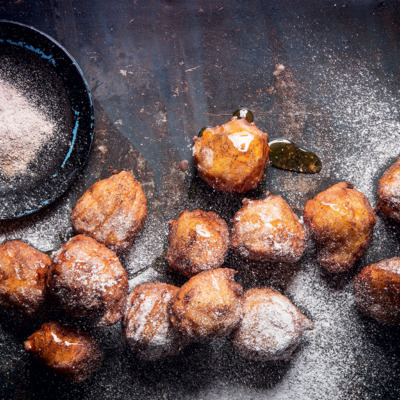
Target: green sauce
column 285, row 154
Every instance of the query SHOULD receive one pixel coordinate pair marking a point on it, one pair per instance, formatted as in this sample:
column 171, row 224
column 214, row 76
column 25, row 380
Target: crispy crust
column 232, row 157
column 112, row 211
column 147, row 327
column 68, row 352
column 341, row 222
column 208, row 306
column 389, row 192
column 268, row 230
column 23, row 276
column 271, row 326
column 88, row 280
column 198, row 241
column 377, row 291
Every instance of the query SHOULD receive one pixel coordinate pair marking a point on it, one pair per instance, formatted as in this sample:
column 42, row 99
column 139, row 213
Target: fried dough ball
column 232, row 157
column 112, row 211
column 68, row 352
column 148, row 329
column 268, row 230
column 198, row 241
column 377, row 291
column 341, row 221
column 88, row 280
column 389, row 192
column 23, row 275
column 271, row 326
column 208, row 306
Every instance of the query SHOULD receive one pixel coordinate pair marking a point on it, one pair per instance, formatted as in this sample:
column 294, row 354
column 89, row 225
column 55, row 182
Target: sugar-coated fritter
column 148, row 329
column 88, row 280
column 268, row 230
column 377, row 291
column 23, row 275
column 341, row 221
column 67, row 351
column 389, row 192
column 208, row 306
column 198, row 241
column 112, row 211
column 271, row 326
column 232, row 157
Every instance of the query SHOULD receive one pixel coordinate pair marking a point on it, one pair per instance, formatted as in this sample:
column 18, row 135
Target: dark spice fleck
column 184, row 165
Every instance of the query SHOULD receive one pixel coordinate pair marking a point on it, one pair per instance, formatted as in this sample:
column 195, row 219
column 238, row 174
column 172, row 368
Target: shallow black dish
column 53, row 70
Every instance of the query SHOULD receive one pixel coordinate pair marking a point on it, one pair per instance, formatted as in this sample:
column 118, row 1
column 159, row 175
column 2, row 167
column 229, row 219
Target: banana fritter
column 271, row 326
column 148, row 329
column 112, row 211
column 389, row 192
column 88, row 280
column 68, row 352
column 23, row 275
column 198, row 241
column 268, row 230
column 341, row 221
column 377, row 291
column 232, row 157
column 208, row 306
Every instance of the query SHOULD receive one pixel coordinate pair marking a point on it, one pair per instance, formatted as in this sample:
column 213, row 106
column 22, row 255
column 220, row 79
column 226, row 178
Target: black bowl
column 47, row 74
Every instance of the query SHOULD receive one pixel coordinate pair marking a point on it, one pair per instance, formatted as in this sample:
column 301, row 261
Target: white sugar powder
column 24, row 129
column 367, row 125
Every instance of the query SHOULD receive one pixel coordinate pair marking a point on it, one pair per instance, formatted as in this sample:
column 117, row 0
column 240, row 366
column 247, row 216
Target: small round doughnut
column 148, row 329
column 198, row 241
column 67, row 351
column 112, row 211
column 88, row 280
column 208, row 306
column 340, row 220
column 271, row 326
column 389, row 192
column 377, row 290
column 268, row 230
column 232, row 157
column 23, row 276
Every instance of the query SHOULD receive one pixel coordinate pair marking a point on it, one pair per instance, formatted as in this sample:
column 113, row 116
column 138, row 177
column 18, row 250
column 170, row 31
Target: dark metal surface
column 34, row 57
column 161, row 70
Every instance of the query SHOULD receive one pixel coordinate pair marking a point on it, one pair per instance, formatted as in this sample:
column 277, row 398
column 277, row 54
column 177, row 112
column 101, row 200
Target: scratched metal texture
column 159, row 71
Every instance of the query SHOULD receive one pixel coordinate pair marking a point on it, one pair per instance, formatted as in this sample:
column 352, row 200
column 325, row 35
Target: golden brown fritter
column 208, row 306
column 198, row 241
column 389, row 192
column 268, row 230
column 271, row 326
column 23, row 275
column 148, row 329
column 377, row 291
column 68, row 352
column 112, row 211
column 341, row 221
column 88, row 280
column 232, row 157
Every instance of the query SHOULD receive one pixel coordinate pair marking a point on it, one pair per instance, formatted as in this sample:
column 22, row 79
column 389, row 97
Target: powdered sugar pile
column 24, row 129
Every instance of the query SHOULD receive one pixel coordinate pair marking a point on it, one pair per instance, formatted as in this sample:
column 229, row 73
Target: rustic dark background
column 159, row 71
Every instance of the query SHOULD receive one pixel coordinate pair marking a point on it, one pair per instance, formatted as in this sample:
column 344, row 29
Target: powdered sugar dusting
column 364, row 109
column 275, row 324
column 335, row 346
column 23, row 130
column 271, row 326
